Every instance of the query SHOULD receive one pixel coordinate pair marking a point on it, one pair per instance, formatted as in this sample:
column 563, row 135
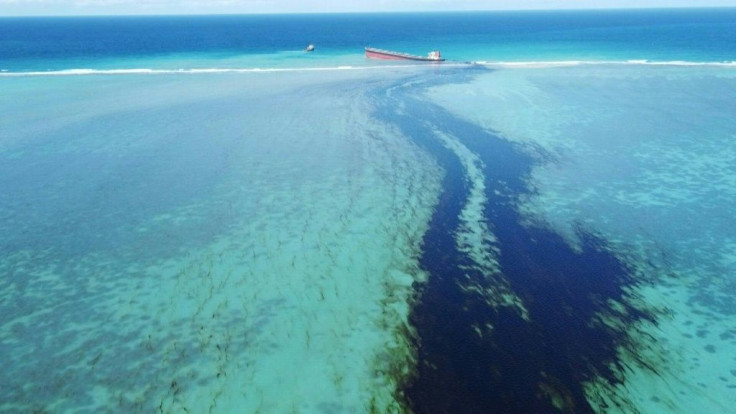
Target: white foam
column 687, row 63
column 562, row 63
column 149, row 71
column 488, row 63
column 531, row 64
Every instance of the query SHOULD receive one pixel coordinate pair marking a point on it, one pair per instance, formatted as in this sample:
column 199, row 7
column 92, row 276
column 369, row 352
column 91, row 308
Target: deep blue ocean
column 197, row 215
column 182, row 42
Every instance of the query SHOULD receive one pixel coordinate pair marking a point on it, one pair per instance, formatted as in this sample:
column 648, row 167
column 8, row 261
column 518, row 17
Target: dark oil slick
column 518, row 366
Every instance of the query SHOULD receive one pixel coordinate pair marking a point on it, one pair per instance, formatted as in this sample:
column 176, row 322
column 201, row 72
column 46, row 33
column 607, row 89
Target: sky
column 117, row 7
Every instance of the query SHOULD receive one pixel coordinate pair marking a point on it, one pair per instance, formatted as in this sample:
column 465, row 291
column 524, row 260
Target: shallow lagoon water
column 643, row 157
column 267, row 242
column 206, row 242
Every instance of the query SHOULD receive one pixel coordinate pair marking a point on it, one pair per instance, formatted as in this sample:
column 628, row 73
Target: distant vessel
column 433, row 56
column 309, row 48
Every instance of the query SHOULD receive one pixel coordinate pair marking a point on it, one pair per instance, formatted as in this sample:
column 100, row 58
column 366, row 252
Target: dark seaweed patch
column 519, row 366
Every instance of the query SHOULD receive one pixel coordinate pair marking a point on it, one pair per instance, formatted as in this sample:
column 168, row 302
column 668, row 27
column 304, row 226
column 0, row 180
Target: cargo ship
column 433, row 56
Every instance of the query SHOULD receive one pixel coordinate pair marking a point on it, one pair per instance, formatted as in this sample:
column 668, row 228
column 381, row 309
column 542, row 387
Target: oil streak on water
column 477, row 356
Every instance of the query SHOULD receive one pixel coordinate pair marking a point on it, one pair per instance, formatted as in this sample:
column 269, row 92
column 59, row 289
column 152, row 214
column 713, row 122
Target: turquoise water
column 643, row 157
column 267, row 41
column 176, row 242
column 227, row 223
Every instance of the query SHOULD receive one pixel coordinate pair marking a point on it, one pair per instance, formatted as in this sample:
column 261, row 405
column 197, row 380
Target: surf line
column 538, row 341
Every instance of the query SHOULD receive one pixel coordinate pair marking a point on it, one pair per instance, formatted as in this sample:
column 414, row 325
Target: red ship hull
column 389, row 55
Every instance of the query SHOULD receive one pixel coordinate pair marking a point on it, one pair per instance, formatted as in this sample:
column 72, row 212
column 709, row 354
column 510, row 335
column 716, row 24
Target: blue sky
column 87, row 7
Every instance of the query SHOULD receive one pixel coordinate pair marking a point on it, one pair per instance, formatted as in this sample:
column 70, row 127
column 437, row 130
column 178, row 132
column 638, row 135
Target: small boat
column 309, row 48
column 433, row 56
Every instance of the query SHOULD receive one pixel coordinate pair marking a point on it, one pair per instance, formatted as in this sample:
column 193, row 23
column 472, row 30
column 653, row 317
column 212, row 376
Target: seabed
column 427, row 239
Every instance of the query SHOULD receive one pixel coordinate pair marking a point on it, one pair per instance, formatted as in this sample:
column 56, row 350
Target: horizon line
column 307, row 13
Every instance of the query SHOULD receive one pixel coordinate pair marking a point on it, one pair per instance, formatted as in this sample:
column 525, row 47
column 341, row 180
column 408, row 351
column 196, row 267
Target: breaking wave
column 561, row 63
column 489, row 64
column 145, row 71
